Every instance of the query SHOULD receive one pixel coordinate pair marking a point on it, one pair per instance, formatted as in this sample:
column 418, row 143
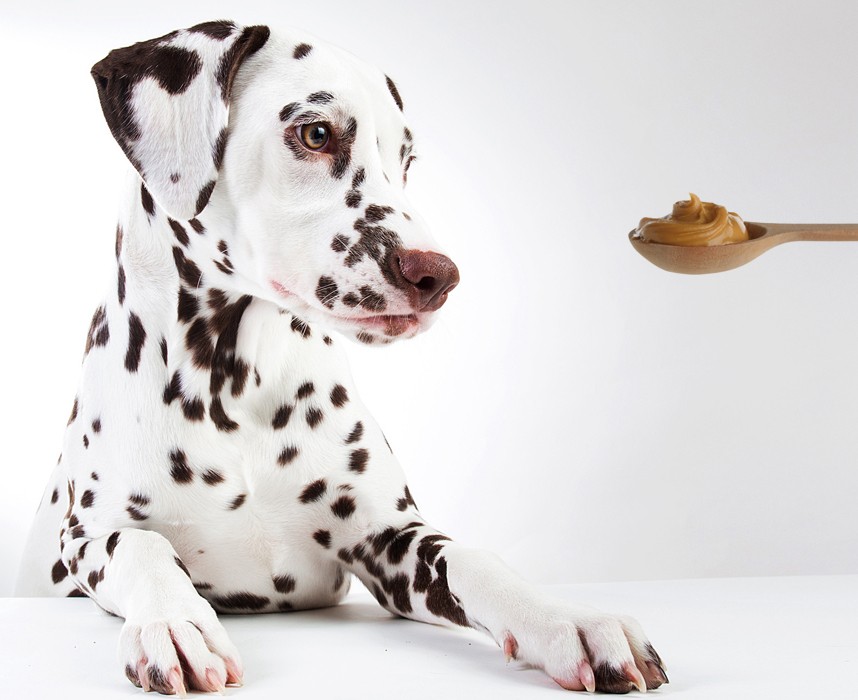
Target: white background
column 582, row 413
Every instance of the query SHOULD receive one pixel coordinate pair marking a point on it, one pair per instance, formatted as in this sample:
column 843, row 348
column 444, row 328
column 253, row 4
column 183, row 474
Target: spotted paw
column 588, row 651
column 172, row 656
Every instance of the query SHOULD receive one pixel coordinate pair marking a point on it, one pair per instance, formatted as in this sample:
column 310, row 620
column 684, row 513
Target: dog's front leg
column 415, row 571
column 171, row 639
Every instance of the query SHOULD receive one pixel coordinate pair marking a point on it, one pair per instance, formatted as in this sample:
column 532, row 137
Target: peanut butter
column 693, row 222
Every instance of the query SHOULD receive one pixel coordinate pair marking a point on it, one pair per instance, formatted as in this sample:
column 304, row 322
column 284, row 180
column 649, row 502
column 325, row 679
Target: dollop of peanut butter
column 693, row 222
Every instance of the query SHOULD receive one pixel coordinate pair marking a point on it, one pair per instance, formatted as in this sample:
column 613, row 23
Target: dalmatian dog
column 217, row 457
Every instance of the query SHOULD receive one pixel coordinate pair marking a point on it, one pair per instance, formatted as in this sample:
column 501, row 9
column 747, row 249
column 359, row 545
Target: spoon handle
column 813, row 232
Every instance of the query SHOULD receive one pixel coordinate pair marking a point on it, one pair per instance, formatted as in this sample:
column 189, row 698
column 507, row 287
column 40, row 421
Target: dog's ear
column 166, row 102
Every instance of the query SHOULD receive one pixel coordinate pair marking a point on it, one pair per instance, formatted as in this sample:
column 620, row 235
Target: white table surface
column 790, row 637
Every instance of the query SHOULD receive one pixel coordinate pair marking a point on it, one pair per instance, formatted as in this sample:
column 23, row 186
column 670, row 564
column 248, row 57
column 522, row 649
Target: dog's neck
column 175, row 285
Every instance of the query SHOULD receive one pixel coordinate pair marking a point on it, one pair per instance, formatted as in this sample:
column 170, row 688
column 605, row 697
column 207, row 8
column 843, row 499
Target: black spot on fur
column 146, row 200
column 314, row 417
column 358, row 460
column 284, row 583
column 339, row 395
column 217, row 29
column 320, row 98
column 136, row 340
column 372, row 300
column 382, row 539
column 394, row 92
column 377, row 242
column 197, row 225
column 397, row 587
column 120, row 284
column 193, row 408
column 301, row 50
column 355, row 434
column 323, row 537
column 340, row 243
column 439, row 600
column 179, row 232
column 249, row 42
column 288, row 455
column 376, row 212
column 343, row 507
column 87, row 499
column 189, row 305
column 212, row 477
column 199, row 341
column 99, row 332
column 59, row 571
column 289, row 111
column 301, row 327
column 399, row 547
column 403, row 503
column 85, row 442
column 327, row 291
column 180, row 471
column 55, row 496
column 281, row 417
column 187, row 269
column 313, row 491
column 353, row 199
column 96, row 425
column 305, row 390
column 422, row 576
column 204, row 196
column 241, row 601
column 238, row 501
column 219, row 417
column 112, row 541
column 135, row 513
column 429, row 548
column 95, row 577
column 73, row 412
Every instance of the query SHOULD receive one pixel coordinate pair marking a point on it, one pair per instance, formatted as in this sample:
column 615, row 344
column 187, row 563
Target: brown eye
column 315, row 136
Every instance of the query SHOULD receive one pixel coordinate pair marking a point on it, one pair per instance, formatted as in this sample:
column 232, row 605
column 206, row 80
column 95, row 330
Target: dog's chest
column 235, row 497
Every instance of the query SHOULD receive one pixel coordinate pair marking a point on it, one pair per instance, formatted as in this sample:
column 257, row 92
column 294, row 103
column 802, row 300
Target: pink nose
column 429, row 277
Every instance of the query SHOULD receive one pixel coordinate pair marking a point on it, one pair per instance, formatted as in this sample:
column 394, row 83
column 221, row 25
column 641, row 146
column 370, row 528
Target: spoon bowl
column 699, row 260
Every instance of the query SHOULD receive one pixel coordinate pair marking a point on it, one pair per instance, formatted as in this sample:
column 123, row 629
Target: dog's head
column 297, row 155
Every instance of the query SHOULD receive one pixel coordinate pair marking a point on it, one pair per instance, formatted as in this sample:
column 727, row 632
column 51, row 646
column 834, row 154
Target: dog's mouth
column 391, row 325
column 388, row 325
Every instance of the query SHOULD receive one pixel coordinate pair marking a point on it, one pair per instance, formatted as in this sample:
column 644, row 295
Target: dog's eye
column 315, row 136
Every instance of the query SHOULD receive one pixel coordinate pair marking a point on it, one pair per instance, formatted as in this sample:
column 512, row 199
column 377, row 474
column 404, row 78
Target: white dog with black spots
column 218, row 457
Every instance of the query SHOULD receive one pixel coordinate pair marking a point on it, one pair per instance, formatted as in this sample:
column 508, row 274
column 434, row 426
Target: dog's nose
column 431, row 275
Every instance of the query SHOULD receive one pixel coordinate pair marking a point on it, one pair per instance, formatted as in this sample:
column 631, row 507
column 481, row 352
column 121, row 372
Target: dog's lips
column 391, row 325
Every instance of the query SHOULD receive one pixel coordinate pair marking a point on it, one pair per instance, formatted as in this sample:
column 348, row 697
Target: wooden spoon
column 699, row 260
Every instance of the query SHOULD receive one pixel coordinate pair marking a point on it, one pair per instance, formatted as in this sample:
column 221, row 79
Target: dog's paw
column 588, row 650
column 171, row 656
